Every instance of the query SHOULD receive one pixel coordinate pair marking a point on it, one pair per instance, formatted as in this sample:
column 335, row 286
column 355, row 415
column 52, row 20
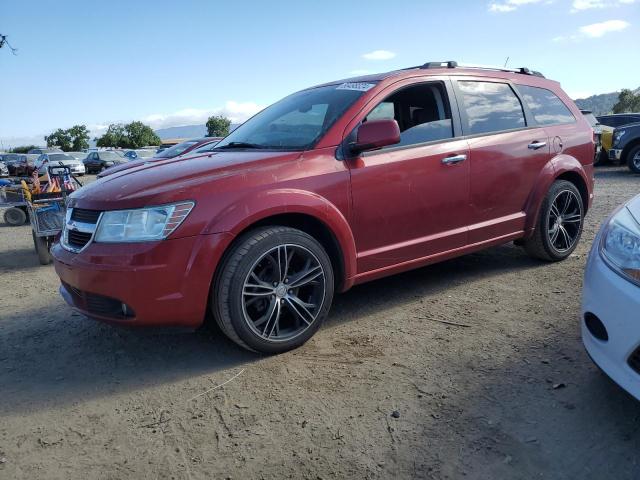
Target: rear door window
column 545, row 106
column 489, row 107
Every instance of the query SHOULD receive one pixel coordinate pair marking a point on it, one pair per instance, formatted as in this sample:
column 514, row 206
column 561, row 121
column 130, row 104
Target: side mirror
column 376, row 134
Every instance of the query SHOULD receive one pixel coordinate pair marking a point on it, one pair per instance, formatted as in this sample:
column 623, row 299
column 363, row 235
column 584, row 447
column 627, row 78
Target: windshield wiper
column 239, row 145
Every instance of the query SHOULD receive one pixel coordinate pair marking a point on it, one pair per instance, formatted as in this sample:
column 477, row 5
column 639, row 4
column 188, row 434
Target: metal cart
column 47, row 212
column 12, row 198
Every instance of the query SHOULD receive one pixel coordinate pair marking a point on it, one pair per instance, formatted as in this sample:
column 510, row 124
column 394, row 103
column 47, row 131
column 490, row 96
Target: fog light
column 596, row 327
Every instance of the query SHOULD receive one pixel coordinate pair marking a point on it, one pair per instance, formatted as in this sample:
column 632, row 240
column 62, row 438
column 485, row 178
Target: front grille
column 634, row 360
column 85, row 216
column 99, row 304
column 78, row 239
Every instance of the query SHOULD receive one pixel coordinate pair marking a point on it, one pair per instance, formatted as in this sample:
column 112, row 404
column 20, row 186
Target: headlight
column 141, row 225
column 617, row 135
column 620, row 245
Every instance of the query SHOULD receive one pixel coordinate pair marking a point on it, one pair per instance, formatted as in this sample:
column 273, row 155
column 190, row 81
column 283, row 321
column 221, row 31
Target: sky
column 170, row 63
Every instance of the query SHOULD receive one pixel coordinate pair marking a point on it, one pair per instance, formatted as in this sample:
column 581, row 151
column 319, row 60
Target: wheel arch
column 627, row 148
column 561, row 167
column 305, row 211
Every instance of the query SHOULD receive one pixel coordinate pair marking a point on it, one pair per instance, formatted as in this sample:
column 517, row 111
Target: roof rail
column 454, row 64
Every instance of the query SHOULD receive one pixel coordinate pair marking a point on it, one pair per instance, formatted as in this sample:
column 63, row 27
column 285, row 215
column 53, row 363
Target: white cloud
column 379, row 55
column 511, row 5
column 597, row 30
column 237, row 112
column 594, row 30
column 580, row 5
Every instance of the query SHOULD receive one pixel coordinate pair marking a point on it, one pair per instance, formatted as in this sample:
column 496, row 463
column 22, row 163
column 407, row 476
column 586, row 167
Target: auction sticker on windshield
column 359, row 86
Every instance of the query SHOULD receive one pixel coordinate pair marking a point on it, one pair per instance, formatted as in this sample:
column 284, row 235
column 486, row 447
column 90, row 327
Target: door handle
column 536, row 145
column 454, row 159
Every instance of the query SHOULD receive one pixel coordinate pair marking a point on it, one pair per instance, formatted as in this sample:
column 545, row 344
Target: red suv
column 330, row 187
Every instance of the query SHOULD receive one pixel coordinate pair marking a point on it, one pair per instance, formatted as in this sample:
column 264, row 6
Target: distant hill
column 185, row 131
column 600, row 104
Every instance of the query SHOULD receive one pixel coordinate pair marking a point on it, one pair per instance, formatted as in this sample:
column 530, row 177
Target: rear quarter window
column 545, row 106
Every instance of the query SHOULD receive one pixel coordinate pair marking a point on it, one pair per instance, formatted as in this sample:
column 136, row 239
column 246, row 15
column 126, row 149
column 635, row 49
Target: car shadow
column 49, row 356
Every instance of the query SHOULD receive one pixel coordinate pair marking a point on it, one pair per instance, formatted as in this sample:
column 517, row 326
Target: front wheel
column 41, row 244
column 273, row 290
column 559, row 223
column 633, row 159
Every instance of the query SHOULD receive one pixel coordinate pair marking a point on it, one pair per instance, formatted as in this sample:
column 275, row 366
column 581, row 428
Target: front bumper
column 616, row 302
column 615, row 154
column 163, row 283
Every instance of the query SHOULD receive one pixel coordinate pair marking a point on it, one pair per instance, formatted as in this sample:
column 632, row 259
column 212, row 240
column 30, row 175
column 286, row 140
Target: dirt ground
column 512, row 395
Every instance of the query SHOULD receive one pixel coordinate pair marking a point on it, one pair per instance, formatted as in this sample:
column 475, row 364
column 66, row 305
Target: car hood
column 169, row 180
column 71, row 161
column 634, row 207
column 127, row 164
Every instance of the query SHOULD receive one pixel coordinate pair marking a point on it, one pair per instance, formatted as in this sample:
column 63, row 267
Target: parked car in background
column 625, row 146
column 19, row 164
column 100, row 161
column 168, row 143
column 41, row 150
column 182, row 149
column 52, row 159
column 206, row 147
column 611, row 122
column 611, row 298
column 332, row 186
column 4, row 170
column 78, row 155
column 140, row 153
column 597, row 135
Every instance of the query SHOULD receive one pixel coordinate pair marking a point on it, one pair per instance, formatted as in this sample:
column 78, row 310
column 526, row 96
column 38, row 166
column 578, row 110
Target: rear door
column 507, row 153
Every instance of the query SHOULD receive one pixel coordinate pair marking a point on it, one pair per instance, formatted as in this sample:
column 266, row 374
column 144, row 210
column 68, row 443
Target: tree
column 72, row 139
column 80, row 137
column 132, row 135
column 139, row 135
column 22, row 149
column 113, row 137
column 218, row 126
column 60, row 138
column 627, row 102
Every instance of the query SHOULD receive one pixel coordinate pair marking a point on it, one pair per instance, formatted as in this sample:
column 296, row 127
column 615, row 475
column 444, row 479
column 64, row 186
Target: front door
column 410, row 200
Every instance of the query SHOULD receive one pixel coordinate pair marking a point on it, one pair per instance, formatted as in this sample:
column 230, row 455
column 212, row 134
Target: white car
column 51, row 159
column 611, row 298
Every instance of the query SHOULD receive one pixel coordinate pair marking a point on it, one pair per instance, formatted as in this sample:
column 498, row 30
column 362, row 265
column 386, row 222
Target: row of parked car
column 97, row 161
column 617, row 138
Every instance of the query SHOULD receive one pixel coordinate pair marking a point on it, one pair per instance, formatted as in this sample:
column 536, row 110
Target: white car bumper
column 616, row 303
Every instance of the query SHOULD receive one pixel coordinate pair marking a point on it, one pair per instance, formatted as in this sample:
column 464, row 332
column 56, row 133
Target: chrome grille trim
column 77, row 226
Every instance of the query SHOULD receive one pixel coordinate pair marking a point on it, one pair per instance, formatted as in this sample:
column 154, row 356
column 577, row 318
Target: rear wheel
column 559, row 224
column 15, row 216
column 274, row 290
column 633, row 159
column 41, row 244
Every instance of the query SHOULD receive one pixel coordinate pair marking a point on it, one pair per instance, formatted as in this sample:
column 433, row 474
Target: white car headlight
column 620, row 245
column 141, row 225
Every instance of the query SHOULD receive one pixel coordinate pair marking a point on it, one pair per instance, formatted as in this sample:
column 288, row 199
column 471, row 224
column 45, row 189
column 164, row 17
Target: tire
column 633, row 159
column 15, row 216
column 42, row 249
column 601, row 159
column 548, row 241
column 240, row 301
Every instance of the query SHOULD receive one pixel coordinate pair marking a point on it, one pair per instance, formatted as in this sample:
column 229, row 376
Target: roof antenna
column 505, row 62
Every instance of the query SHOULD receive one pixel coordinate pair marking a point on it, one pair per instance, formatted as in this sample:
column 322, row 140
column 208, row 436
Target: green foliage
column 600, row 104
column 72, row 139
column 132, row 135
column 218, row 126
column 22, row 149
column 628, row 102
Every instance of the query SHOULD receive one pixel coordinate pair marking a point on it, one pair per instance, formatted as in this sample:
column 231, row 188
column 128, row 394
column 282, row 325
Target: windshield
column 591, row 119
column 298, row 121
column 176, row 149
column 60, row 157
column 110, row 156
